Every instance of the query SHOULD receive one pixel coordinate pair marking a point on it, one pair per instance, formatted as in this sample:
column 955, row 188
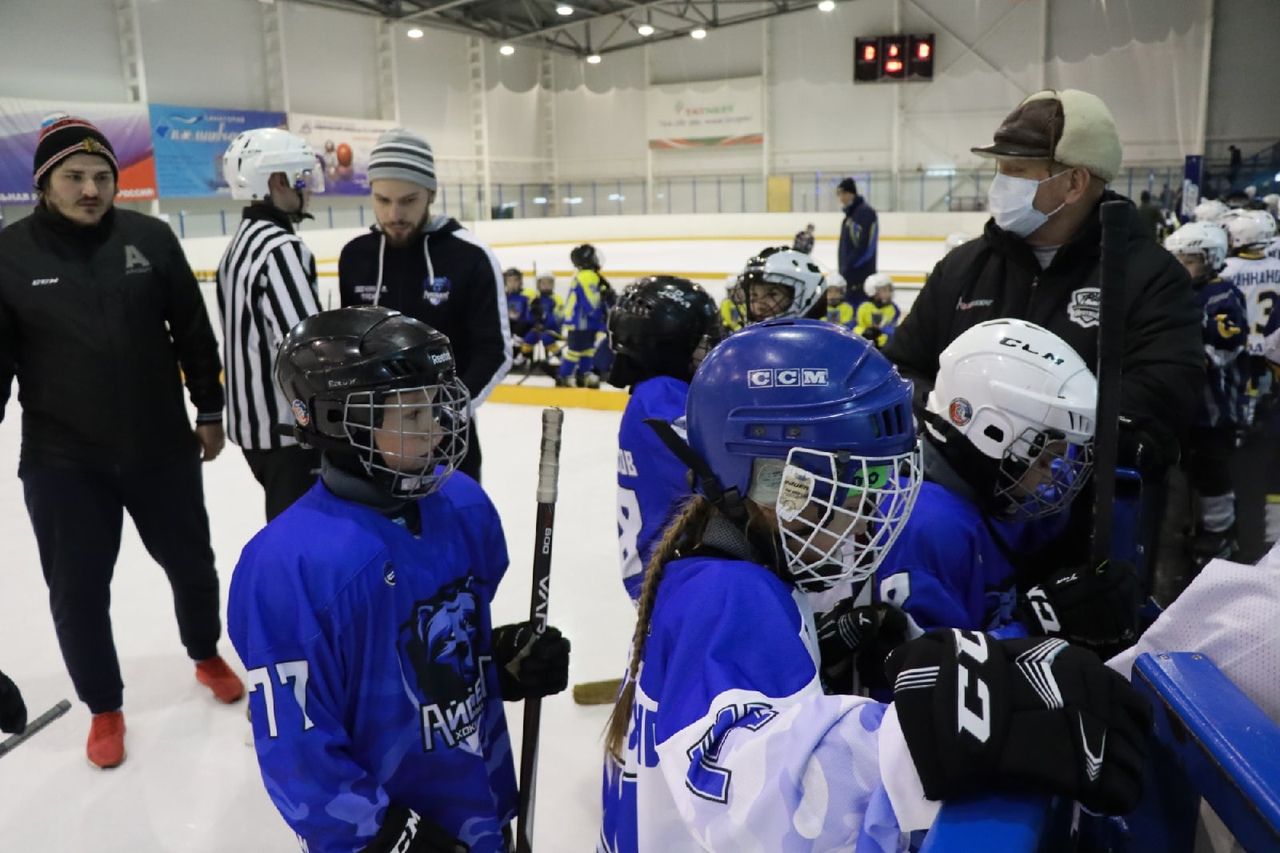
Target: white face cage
column 410, row 440
column 838, row 514
column 1041, row 473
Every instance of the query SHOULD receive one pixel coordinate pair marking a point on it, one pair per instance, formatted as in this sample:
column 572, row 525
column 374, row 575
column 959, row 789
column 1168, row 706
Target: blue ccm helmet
column 808, row 418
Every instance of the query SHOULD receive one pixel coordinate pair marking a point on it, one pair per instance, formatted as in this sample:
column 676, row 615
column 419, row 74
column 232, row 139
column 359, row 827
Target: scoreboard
column 880, row 59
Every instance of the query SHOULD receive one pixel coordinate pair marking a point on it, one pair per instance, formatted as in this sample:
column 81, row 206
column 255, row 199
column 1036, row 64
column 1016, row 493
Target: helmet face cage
column 428, row 426
column 1040, row 474
column 838, row 514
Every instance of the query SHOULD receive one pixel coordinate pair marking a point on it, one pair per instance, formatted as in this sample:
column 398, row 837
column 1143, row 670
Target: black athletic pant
column 470, row 464
column 77, row 515
column 286, row 474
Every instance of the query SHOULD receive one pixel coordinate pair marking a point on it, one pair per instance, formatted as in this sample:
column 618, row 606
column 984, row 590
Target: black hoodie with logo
column 101, row 325
column 998, row 275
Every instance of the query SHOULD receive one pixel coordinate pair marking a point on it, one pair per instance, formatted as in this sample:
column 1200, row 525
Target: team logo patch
column 787, row 377
column 960, row 411
column 436, row 290
column 794, row 493
column 300, row 413
column 389, row 573
column 1085, row 306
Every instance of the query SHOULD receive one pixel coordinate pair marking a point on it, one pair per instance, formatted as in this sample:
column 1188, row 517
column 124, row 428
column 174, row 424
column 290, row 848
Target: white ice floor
column 190, row 783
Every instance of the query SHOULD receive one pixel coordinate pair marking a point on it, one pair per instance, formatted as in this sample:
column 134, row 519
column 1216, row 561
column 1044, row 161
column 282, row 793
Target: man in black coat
column 100, row 320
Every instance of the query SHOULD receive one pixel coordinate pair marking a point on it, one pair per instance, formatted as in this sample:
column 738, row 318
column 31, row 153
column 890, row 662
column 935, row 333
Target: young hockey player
column 1201, row 247
column 839, row 311
column 781, row 282
column 546, row 314
column 1008, row 444
column 878, row 316
column 722, row 737
column 585, row 316
column 519, row 301
column 658, row 329
column 362, row 612
column 803, row 241
column 733, row 308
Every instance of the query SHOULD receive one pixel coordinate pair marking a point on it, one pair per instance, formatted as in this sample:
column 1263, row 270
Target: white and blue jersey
column 733, row 745
column 947, row 571
column 369, row 666
column 651, row 481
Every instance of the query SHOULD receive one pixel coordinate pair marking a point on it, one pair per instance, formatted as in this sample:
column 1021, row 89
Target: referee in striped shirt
column 266, row 285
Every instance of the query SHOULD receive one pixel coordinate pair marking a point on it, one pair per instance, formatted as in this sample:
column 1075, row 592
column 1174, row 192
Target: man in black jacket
column 98, row 311
column 1038, row 260
column 430, row 268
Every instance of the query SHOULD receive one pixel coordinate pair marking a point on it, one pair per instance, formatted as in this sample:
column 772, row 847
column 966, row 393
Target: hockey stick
column 597, row 692
column 8, row 744
column 548, row 474
column 1111, row 283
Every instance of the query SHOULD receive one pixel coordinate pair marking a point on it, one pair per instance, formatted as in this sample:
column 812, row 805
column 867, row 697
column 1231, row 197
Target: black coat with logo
column 997, row 275
column 100, row 325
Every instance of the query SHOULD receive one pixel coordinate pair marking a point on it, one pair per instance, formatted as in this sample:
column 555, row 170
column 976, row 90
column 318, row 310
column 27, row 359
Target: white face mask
column 1011, row 201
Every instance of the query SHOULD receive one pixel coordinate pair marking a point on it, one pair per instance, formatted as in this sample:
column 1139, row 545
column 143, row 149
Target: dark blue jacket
column 858, row 236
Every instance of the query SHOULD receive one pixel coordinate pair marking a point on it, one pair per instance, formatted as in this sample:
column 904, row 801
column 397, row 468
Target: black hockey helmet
column 585, row 257
column 656, row 327
column 371, row 382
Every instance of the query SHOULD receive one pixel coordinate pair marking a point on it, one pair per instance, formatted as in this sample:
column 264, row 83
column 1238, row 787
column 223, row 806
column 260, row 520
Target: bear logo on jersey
column 435, row 289
column 441, row 666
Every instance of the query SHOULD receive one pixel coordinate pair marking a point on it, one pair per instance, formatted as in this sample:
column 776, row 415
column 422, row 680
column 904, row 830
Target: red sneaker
column 218, row 677
column 106, row 740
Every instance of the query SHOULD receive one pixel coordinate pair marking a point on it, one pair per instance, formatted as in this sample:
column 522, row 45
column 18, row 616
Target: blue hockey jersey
column 732, row 743
column 368, row 657
column 651, row 481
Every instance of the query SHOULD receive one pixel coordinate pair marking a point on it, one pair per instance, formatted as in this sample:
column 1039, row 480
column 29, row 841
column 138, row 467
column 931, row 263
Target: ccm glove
column 1027, row 713
column 404, row 831
column 1097, row 608
column 530, row 664
column 860, row 637
column 13, row 711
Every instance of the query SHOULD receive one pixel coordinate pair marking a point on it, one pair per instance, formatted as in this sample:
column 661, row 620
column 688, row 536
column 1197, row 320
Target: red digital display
column 878, row 59
column 923, row 50
column 869, row 53
column 893, row 66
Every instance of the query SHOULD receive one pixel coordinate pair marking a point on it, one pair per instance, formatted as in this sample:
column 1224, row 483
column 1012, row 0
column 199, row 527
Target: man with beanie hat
column 1039, row 258
column 859, row 236
column 431, row 268
column 100, row 320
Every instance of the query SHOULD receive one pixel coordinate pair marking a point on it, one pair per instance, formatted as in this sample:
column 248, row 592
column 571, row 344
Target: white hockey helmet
column 784, row 266
column 1248, row 228
column 1210, row 210
column 957, row 238
column 1014, row 410
column 1272, row 201
column 255, row 155
column 1200, row 238
column 877, row 279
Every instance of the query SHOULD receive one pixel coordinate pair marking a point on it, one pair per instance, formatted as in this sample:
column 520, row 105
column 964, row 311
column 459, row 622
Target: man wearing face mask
column 429, row 268
column 1039, row 260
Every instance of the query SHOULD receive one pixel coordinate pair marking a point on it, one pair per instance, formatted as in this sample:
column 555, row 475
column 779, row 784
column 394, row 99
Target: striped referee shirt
column 266, row 285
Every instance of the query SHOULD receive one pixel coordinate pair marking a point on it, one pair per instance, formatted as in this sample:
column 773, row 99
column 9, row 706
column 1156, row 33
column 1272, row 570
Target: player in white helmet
column 1210, row 210
column 266, row 285
column 781, row 282
column 878, row 317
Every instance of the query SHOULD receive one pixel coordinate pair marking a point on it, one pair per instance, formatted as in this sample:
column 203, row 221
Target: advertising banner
column 716, row 112
column 344, row 145
column 126, row 127
column 189, row 143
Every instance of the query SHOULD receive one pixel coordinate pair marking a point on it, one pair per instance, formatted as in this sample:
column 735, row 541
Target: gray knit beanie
column 402, row 155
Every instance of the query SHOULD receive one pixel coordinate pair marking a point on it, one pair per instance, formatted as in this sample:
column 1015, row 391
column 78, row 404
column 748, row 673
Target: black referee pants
column 286, row 474
column 77, row 515
column 470, row 464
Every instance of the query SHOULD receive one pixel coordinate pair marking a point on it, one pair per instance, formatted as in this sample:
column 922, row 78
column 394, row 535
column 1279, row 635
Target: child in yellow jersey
column 733, row 314
column 877, row 318
column 839, row 311
column 585, row 319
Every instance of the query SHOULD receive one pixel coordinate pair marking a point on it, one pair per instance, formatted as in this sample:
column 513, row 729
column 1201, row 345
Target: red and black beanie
column 64, row 135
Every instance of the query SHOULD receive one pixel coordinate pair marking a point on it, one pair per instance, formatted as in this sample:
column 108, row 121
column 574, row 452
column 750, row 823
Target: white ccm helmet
column 1014, row 411
column 1200, row 238
column 255, row 155
column 784, row 266
column 1247, row 228
column 1210, row 210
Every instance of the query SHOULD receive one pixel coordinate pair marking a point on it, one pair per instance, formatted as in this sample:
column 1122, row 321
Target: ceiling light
column 827, row 6
column 594, row 59
column 507, row 49
column 699, row 33
column 645, row 29
column 563, row 9
column 415, row 33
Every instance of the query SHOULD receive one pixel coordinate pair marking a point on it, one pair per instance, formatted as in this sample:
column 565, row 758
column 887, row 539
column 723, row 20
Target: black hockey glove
column 1097, row 608
column 859, row 637
column 13, row 711
column 405, row 831
column 1035, row 712
column 872, row 333
column 528, row 664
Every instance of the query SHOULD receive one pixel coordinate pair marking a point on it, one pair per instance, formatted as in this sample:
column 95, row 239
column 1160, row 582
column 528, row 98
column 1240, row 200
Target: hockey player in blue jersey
column 585, row 319
column 657, row 331
column 806, row 465
column 519, row 317
column 1008, row 444
column 362, row 612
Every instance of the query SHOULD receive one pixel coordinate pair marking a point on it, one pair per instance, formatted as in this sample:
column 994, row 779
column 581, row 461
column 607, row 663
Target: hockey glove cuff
column 530, row 664
column 1097, row 608
column 1035, row 712
column 404, row 831
column 860, row 637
